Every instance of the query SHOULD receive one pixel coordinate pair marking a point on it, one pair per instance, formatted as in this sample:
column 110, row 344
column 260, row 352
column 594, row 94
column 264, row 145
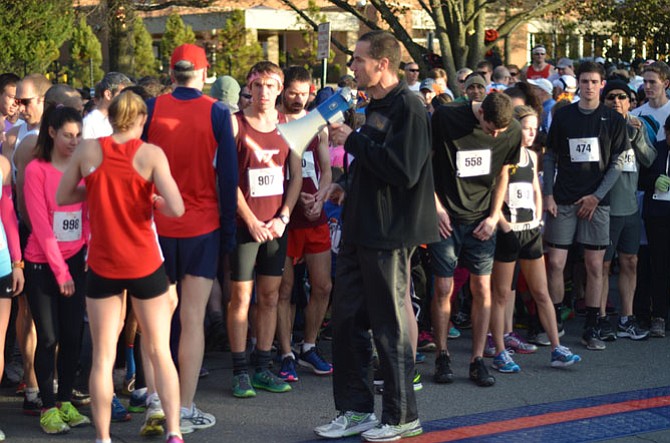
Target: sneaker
column 561, row 357
column 347, row 424
column 21, row 388
column 462, row 320
column 453, row 333
column 154, row 419
column 312, row 359
column 51, row 422
column 539, row 338
column 426, row 341
column 267, row 381
column 204, row 372
column 80, row 398
column 479, row 374
column 393, row 432
column 70, row 415
column 591, row 339
column 174, row 439
column 605, row 330
column 128, row 386
column 417, row 381
column 32, row 407
column 242, row 386
column 490, row 347
column 119, row 412
column 657, row 327
column 443, row 372
column 2, row 436
column 631, row 330
column 419, row 358
column 518, row 345
column 138, row 401
column 197, row 420
column 504, row 363
column 287, row 371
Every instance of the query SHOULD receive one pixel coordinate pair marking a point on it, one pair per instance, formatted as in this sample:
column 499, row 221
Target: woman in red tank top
column 120, row 173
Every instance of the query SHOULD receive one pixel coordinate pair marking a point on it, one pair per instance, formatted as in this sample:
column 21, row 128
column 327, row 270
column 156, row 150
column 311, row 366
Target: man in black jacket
column 388, row 211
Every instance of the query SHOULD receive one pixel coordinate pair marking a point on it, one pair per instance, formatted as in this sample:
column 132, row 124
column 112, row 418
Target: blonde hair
column 523, row 111
column 124, row 109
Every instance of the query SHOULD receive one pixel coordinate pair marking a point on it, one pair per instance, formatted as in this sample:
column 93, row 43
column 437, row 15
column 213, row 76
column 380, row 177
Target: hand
column 259, row 231
column 276, row 227
column 444, row 223
column 336, row 194
column 588, row 204
column 662, row 183
column 306, row 199
column 67, row 288
column 18, row 280
column 158, row 201
column 550, row 205
column 635, row 123
column 485, row 229
column 504, row 225
column 339, row 132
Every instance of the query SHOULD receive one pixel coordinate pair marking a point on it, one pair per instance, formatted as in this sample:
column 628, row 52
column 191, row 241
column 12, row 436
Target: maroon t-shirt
column 311, row 173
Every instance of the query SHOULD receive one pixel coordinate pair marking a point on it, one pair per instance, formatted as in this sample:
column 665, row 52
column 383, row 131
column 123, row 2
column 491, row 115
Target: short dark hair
column 383, row 45
column 497, row 108
column 296, row 74
column 111, row 82
column 660, row 68
column 8, row 79
column 590, row 66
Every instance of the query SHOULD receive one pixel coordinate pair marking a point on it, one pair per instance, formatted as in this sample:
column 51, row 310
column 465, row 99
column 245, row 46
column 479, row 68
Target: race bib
column 264, row 182
column 473, row 163
column 629, row 164
column 67, row 226
column 520, row 196
column 584, row 150
column 308, row 167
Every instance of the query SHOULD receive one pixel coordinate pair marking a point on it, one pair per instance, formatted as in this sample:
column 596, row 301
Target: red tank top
column 261, row 167
column 311, row 173
column 123, row 242
column 532, row 74
column 183, row 129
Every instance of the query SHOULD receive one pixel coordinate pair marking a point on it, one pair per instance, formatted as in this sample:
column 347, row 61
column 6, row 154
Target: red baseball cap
column 190, row 53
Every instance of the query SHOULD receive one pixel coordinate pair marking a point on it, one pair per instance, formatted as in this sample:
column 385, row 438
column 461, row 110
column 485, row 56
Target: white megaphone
column 298, row 133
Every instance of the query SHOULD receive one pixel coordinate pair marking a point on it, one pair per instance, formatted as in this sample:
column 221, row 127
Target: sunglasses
column 247, row 96
column 24, row 101
column 513, row 74
column 483, row 73
column 621, row 96
column 413, row 70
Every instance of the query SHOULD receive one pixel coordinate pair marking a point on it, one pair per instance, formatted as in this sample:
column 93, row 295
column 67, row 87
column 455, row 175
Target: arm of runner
column 259, row 232
column 276, row 226
column 443, row 220
column 620, row 144
column 645, row 153
column 69, row 191
column 336, row 193
column 487, row 227
column 23, row 154
column 226, row 175
column 537, row 190
column 549, row 168
column 168, row 201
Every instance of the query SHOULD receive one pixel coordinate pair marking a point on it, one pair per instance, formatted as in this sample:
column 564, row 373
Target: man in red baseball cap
column 203, row 160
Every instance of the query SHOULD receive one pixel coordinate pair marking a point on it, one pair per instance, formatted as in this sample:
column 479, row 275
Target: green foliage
column 85, row 53
column 144, row 62
column 235, row 55
column 176, row 33
column 32, row 33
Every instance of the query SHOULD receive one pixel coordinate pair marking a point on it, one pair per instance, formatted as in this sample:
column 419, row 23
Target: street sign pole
column 323, row 50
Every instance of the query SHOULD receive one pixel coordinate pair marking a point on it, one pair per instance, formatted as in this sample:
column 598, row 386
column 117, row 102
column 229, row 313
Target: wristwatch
column 284, row 218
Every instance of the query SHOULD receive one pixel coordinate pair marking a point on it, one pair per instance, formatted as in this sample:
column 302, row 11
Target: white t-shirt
column 96, row 125
column 414, row 87
column 659, row 114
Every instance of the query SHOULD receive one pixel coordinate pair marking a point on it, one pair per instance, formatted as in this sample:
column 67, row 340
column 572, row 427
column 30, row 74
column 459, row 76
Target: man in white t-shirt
column 412, row 76
column 96, row 123
column 653, row 113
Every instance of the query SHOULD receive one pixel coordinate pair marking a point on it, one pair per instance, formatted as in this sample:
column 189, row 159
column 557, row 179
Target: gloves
column 662, row 183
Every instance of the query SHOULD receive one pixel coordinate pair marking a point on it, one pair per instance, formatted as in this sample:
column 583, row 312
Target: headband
column 256, row 75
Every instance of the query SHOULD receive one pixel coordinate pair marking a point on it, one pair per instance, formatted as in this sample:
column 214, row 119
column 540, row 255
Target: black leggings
column 58, row 321
column 658, row 235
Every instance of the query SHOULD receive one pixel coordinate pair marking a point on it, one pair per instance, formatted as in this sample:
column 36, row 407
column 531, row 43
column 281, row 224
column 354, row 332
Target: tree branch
column 356, row 13
column 150, row 5
column 315, row 26
column 517, row 19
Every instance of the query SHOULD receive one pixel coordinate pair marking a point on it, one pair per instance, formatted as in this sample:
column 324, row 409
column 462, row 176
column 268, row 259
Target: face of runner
column 618, row 100
column 476, row 92
column 8, row 104
column 366, row 69
column 264, row 93
column 490, row 129
column 411, row 73
column 30, row 104
column 295, row 97
column 66, row 138
column 590, row 85
column 528, row 130
column 654, row 88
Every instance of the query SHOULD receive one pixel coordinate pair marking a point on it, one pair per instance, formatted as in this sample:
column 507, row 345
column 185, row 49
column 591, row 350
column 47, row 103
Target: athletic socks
column 239, row 363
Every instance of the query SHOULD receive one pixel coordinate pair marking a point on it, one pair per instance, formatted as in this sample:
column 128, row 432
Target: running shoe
column 419, row 358
column 453, row 332
column 631, row 329
column 417, row 381
column 267, row 381
column 174, row 439
column 154, row 418
column 490, row 347
column 287, row 371
column 138, row 401
column 32, row 407
column 426, row 341
column 242, row 386
column 538, row 337
column 657, row 327
column 561, row 357
column 204, row 372
column 605, row 329
column 52, row 422
column 312, row 359
column 393, row 432
column 119, row 412
column 462, row 320
column 443, row 372
column 80, row 398
column 21, row 388
column 591, row 339
column 503, row 363
column 2, row 436
column 70, row 415
column 347, row 424
column 196, row 420
column 479, row 374
column 514, row 342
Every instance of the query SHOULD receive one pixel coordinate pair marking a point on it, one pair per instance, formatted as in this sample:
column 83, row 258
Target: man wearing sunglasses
column 624, row 216
column 412, row 77
column 539, row 68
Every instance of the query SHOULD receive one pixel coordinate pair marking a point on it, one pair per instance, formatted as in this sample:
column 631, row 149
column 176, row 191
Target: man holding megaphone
column 389, row 210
